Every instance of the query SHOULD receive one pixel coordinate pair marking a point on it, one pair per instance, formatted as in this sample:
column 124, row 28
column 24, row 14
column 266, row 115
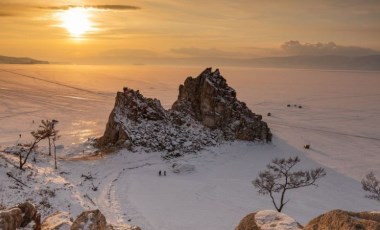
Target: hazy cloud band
column 100, row 7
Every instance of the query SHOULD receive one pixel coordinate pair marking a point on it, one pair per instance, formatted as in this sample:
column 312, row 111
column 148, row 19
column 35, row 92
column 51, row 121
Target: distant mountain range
column 327, row 62
column 20, row 60
column 370, row 63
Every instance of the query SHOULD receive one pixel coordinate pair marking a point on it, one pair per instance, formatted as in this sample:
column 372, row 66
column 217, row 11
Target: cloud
column 331, row 48
column 128, row 53
column 6, row 14
column 212, row 52
column 99, row 7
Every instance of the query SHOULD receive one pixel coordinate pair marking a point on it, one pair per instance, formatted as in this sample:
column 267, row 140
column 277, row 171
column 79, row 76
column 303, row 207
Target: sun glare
column 76, row 21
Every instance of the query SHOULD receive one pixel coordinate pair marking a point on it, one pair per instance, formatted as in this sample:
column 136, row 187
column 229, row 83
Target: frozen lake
column 340, row 117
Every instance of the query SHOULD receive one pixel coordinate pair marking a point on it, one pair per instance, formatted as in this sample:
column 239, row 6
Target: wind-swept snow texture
column 339, row 119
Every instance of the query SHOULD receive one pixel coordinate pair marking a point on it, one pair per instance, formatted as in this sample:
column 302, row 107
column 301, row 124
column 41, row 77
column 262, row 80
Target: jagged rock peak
column 139, row 122
column 131, row 107
column 207, row 112
column 136, row 106
column 210, row 100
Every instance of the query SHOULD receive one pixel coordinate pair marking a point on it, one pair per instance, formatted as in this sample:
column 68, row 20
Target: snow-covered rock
column 59, row 220
column 29, row 213
column 90, row 220
column 123, row 227
column 338, row 219
column 10, row 219
column 210, row 100
column 139, row 122
column 16, row 149
column 182, row 168
column 268, row 220
column 205, row 114
column 18, row 216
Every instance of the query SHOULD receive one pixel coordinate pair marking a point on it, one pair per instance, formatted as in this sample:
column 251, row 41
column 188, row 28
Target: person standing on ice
column 159, row 173
column 164, row 173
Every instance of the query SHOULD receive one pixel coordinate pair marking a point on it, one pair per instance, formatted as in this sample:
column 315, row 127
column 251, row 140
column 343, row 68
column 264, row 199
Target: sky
column 122, row 31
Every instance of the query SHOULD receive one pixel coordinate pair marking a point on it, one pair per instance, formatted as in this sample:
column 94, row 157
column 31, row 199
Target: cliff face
column 139, row 122
column 206, row 113
column 130, row 107
column 210, row 100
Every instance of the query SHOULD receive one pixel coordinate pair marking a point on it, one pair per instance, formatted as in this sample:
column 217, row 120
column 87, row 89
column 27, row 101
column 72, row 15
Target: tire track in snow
column 56, row 83
column 131, row 213
column 107, row 201
column 326, row 131
column 112, row 203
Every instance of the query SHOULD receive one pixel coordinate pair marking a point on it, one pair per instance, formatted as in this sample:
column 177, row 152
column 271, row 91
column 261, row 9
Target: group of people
column 160, row 173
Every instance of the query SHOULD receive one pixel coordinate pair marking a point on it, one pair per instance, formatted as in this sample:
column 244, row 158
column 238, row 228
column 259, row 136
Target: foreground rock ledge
column 332, row 220
column 206, row 112
column 338, row 219
column 268, row 219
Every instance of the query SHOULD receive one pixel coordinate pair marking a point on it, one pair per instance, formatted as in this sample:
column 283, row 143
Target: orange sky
column 118, row 31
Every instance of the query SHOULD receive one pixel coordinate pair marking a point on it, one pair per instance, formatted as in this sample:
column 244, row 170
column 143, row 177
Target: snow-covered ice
column 339, row 118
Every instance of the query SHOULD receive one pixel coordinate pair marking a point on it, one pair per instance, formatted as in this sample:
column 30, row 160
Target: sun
column 76, row 21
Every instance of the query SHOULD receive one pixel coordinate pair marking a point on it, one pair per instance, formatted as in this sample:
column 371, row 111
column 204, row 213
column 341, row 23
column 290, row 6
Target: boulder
column 248, row 223
column 19, row 216
column 343, row 220
column 183, row 168
column 29, row 213
column 123, row 227
column 210, row 100
column 10, row 219
column 90, row 220
column 268, row 220
column 57, row 221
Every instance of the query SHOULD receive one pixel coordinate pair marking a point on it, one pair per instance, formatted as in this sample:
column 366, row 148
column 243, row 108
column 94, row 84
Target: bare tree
column 45, row 131
column 48, row 127
column 371, row 185
column 55, row 137
column 278, row 178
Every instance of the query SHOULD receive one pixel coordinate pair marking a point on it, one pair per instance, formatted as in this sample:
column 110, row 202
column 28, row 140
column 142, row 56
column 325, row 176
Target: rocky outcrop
column 29, row 213
column 139, row 122
column 248, row 223
column 95, row 220
column 10, row 219
column 131, row 107
column 343, row 220
column 57, row 221
column 206, row 113
column 210, row 100
column 21, row 216
column 18, row 216
column 268, row 220
column 123, row 227
column 90, row 220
